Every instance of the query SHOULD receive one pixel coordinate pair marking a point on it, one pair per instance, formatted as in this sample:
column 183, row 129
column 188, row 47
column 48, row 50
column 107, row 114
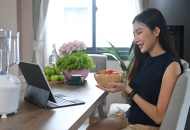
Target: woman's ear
column 156, row 31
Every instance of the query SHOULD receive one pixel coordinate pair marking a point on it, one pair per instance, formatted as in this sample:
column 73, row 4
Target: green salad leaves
column 75, row 61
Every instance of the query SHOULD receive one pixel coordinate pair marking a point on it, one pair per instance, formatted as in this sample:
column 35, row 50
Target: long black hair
column 151, row 18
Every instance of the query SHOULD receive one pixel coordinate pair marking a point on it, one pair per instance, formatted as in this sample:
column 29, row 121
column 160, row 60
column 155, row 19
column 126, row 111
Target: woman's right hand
column 117, row 87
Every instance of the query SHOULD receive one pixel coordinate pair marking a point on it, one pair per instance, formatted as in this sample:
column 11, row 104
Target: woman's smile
column 141, row 45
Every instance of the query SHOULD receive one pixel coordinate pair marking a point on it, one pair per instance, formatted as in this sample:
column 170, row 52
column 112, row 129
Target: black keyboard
column 61, row 102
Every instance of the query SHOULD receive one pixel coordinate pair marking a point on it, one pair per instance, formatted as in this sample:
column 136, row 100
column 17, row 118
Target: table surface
column 32, row 117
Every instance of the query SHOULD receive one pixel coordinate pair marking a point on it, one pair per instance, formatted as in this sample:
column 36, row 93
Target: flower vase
column 71, row 72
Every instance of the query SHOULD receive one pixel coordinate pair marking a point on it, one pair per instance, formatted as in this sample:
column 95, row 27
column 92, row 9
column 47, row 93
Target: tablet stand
column 37, row 95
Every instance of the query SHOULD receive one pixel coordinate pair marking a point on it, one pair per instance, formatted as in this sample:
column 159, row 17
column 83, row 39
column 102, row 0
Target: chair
column 101, row 64
column 185, row 64
column 178, row 107
column 100, row 61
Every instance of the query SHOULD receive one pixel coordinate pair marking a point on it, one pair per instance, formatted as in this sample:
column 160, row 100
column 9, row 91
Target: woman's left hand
column 117, row 87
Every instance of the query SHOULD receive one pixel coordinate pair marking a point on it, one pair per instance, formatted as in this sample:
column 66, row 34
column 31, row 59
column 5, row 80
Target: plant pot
column 71, row 72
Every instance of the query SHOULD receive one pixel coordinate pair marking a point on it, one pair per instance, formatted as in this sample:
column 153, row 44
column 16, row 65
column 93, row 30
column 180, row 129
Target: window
column 76, row 15
column 114, row 22
column 89, row 21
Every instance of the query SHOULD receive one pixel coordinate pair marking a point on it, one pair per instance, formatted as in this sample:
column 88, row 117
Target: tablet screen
column 34, row 76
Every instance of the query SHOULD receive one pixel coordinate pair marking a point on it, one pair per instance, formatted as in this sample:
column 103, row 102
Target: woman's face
column 144, row 37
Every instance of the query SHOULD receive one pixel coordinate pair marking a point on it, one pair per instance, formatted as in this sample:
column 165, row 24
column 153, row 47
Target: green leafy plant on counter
column 115, row 54
column 75, row 61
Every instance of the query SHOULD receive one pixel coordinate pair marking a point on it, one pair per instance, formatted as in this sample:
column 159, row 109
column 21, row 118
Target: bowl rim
column 110, row 74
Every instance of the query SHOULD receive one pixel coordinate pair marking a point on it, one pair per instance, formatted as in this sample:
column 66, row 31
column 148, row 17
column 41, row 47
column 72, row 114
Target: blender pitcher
column 9, row 84
column 5, row 50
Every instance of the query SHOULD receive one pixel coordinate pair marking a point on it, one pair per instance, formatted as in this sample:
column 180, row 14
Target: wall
column 8, row 21
column 176, row 12
column 25, row 27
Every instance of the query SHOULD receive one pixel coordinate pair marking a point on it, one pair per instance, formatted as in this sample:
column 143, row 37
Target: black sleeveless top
column 147, row 83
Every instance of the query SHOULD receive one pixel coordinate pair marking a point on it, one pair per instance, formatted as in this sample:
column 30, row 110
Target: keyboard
column 61, row 102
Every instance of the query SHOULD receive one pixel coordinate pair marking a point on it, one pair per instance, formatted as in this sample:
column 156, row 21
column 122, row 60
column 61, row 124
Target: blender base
column 4, row 116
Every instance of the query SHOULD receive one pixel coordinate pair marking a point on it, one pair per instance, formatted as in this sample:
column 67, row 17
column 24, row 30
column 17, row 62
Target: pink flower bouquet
column 70, row 47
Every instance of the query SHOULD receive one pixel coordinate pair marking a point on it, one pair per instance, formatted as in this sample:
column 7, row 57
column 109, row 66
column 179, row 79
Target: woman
column 155, row 70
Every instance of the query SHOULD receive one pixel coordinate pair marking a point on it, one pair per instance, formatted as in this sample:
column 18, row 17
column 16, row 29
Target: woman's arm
column 129, row 100
column 156, row 113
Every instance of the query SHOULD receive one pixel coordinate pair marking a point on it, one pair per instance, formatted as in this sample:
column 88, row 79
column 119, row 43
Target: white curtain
column 140, row 5
column 40, row 8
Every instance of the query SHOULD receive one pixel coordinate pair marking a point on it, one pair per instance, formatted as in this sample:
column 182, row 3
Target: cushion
column 185, row 64
column 114, row 107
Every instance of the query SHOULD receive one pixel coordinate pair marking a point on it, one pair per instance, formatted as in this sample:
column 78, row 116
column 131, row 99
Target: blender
column 9, row 85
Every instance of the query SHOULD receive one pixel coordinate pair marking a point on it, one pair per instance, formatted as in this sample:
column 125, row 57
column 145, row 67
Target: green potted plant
column 74, row 60
column 115, row 54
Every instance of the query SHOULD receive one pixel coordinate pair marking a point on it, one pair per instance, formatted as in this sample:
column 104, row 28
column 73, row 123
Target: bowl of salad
column 104, row 77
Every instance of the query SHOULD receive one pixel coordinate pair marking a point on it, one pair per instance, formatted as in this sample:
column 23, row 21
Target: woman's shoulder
column 170, row 59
